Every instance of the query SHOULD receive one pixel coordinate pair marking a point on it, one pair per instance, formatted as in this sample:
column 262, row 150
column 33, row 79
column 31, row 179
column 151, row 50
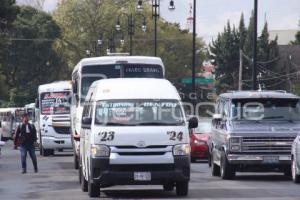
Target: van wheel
column 295, row 176
column 182, row 188
column 76, row 163
column 83, row 183
column 227, row 170
column 47, row 152
column 168, row 187
column 79, row 176
column 215, row 169
column 93, row 189
column 209, row 160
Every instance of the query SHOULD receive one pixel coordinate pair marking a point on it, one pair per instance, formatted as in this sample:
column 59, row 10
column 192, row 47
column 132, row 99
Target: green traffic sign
column 198, row 81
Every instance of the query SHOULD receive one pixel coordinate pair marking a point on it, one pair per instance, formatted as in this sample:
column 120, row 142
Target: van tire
column 93, row 189
column 83, row 182
column 215, row 169
column 79, row 176
column 76, row 163
column 295, row 176
column 168, row 187
column 227, row 170
column 182, row 188
column 209, row 160
column 47, row 152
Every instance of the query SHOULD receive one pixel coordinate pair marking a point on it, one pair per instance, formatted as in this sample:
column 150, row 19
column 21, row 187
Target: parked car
column 295, row 167
column 254, row 131
column 198, row 140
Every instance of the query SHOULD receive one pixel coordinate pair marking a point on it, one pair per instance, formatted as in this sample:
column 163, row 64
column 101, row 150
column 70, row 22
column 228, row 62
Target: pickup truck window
column 264, row 109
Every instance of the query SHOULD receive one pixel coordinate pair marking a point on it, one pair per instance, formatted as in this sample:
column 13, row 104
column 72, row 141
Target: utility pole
column 254, row 61
column 156, row 15
column 241, row 70
column 194, row 56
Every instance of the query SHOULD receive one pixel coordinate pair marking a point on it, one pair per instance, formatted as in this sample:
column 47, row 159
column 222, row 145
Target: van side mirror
column 193, row 122
column 0, row 124
column 37, row 103
column 86, row 121
column 216, row 119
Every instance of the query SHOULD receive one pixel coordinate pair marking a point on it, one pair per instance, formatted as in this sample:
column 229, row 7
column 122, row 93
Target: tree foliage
column 84, row 22
column 30, row 59
column 225, row 53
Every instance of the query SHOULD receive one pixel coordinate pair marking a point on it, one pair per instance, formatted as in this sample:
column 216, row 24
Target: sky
column 212, row 15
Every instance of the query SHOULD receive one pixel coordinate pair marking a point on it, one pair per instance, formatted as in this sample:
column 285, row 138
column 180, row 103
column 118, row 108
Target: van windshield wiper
column 113, row 124
column 274, row 117
column 159, row 124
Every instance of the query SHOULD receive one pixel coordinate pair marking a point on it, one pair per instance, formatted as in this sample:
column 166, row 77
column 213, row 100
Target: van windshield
column 53, row 103
column 264, row 109
column 139, row 112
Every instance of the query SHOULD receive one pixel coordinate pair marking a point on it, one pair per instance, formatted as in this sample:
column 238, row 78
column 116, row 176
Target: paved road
column 57, row 180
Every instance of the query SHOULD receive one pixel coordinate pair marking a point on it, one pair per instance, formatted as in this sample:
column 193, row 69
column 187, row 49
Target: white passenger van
column 134, row 132
column 89, row 70
column 54, row 118
column 9, row 120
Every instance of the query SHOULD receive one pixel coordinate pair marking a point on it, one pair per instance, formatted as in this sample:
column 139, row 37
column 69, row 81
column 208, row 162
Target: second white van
column 134, row 133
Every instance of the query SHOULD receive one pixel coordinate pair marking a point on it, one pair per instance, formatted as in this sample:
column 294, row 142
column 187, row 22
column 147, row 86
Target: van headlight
column 181, row 150
column 235, row 143
column 100, row 151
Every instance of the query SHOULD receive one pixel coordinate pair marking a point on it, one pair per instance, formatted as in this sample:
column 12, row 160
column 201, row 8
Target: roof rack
column 118, row 54
column 233, row 91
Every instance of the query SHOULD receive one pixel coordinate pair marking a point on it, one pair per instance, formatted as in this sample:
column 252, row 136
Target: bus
column 54, row 117
column 10, row 118
column 89, row 70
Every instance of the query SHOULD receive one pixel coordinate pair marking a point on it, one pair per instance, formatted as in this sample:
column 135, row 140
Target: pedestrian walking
column 25, row 138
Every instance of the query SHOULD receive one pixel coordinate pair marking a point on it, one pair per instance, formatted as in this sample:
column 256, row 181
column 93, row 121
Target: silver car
column 296, row 160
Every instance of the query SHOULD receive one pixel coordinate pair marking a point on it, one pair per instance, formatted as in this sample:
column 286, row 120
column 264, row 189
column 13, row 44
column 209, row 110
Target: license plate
column 271, row 159
column 142, row 176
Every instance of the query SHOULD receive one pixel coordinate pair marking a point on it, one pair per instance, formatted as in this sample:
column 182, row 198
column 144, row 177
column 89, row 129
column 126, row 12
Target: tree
column 297, row 37
column 8, row 13
column 83, row 22
column 30, row 59
column 225, row 54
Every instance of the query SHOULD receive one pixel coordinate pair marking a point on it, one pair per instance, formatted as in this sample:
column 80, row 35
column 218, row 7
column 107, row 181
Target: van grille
column 146, row 167
column 62, row 130
column 267, row 144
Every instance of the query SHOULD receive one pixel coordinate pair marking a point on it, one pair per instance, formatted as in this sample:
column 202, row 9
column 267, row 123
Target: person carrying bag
column 25, row 138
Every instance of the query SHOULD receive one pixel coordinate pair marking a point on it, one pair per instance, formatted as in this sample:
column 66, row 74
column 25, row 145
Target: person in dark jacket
column 25, row 137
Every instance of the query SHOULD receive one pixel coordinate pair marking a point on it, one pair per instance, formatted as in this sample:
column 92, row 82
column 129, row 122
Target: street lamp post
column 254, row 62
column 155, row 15
column 111, row 40
column 194, row 55
column 131, row 26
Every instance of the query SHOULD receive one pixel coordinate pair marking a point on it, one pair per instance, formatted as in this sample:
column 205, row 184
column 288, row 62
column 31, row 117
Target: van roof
column 118, row 59
column 55, row 86
column 259, row 94
column 132, row 88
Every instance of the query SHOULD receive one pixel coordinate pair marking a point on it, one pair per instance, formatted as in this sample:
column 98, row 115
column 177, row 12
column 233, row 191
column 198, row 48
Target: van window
column 139, row 112
column 266, row 109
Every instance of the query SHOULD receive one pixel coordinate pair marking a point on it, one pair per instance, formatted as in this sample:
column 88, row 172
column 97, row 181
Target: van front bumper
column 263, row 159
column 106, row 174
column 49, row 142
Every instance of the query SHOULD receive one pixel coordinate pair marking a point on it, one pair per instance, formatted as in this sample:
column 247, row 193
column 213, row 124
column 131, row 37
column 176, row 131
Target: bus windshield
column 93, row 73
column 55, row 103
column 139, row 112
